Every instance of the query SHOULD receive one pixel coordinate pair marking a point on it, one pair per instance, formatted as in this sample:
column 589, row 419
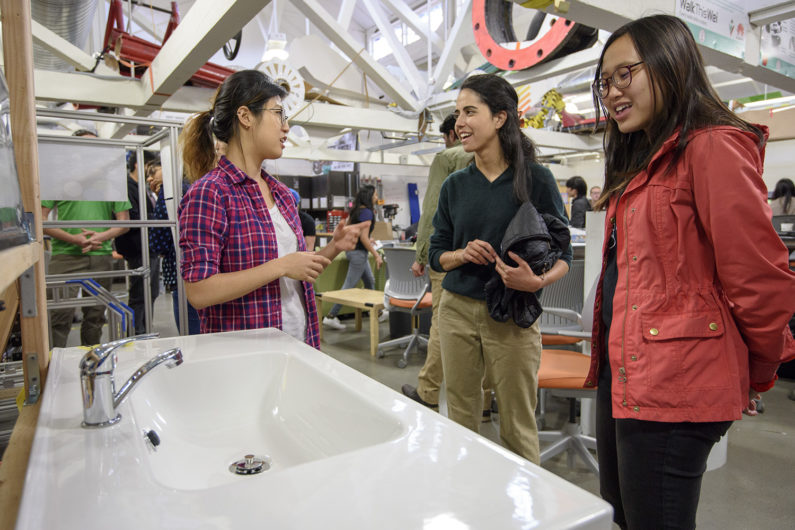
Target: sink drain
column 250, row 465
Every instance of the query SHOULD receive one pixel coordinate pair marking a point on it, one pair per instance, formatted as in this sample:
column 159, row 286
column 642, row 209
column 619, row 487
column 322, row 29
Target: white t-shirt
column 293, row 310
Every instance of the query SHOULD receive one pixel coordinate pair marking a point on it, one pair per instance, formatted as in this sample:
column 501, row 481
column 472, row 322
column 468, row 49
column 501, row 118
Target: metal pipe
column 155, row 223
column 101, row 116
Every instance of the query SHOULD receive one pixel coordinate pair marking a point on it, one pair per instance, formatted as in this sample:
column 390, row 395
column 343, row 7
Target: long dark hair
column 678, row 80
column 784, row 188
column 517, row 148
column 246, row 88
column 363, row 199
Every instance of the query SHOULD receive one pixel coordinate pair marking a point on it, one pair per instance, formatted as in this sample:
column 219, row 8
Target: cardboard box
column 382, row 231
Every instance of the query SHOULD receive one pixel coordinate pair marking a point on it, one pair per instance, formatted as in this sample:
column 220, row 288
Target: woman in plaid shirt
column 245, row 263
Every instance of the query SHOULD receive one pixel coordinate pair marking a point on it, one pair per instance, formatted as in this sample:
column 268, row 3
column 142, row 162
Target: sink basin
column 211, row 413
column 345, row 451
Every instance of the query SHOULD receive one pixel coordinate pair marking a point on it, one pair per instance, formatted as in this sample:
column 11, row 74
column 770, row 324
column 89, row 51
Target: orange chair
column 564, row 371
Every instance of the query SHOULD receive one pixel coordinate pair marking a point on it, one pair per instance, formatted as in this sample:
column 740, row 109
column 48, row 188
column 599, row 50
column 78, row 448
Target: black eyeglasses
column 621, row 78
column 280, row 111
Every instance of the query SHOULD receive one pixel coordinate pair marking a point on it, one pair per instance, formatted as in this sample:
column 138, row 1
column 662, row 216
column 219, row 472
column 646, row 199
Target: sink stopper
column 250, row 465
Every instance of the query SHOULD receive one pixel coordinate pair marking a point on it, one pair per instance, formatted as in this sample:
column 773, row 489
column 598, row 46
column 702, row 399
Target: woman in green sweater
column 476, row 204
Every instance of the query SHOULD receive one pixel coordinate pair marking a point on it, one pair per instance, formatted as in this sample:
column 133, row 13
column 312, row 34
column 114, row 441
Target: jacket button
column 634, row 258
column 633, row 357
column 654, row 331
column 713, row 326
column 636, row 408
column 624, row 403
column 634, row 307
column 633, row 210
column 622, row 371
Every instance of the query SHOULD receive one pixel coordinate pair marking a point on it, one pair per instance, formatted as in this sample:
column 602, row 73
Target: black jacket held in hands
column 540, row 240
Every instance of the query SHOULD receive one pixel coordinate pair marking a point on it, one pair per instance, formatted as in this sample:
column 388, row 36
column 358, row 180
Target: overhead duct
column 69, row 19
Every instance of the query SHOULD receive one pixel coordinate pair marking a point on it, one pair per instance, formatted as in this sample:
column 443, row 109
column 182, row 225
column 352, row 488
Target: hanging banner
column 777, row 47
column 716, row 24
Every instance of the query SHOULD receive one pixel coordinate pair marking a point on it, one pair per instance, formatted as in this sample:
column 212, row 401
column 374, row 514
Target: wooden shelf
column 17, row 260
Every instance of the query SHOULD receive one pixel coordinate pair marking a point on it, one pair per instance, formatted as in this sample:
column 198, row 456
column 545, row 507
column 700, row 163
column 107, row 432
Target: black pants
column 650, row 472
column 136, row 293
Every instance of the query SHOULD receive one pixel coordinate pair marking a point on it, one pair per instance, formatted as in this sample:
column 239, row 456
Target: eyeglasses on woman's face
column 621, row 78
column 280, row 111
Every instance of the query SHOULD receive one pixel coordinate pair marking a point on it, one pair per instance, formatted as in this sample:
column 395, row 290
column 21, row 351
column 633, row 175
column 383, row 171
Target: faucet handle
column 92, row 361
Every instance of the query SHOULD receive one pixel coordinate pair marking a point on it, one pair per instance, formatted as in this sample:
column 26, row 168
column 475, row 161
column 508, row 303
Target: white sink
column 212, row 412
column 345, row 451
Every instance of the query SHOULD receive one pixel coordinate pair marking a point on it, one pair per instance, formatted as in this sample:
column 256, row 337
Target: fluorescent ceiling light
column 768, row 102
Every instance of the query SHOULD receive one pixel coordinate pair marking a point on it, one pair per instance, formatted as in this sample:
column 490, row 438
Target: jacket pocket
column 685, row 351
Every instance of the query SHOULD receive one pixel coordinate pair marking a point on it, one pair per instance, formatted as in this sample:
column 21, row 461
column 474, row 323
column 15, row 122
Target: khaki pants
column 472, row 341
column 432, row 373
column 93, row 316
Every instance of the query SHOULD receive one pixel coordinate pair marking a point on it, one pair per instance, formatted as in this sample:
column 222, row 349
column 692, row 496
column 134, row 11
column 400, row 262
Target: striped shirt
column 225, row 227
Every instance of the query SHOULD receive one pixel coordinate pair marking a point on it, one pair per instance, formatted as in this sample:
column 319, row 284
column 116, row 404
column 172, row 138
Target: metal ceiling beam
column 412, row 20
column 122, row 92
column 766, row 15
column 398, row 50
column 357, row 53
column 346, row 13
column 561, row 140
column 201, row 33
column 60, row 47
column 611, row 14
column 460, row 35
column 364, row 157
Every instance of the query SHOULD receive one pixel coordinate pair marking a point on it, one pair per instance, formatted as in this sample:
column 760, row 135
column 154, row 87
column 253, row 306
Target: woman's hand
column 480, row 252
column 417, row 269
column 519, row 278
column 378, row 261
column 304, row 266
column 345, row 237
column 750, row 409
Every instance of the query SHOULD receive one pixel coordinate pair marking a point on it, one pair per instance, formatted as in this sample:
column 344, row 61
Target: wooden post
column 18, row 57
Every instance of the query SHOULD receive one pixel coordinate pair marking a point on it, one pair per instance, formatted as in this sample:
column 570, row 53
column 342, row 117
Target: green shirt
column 471, row 207
column 84, row 211
column 444, row 163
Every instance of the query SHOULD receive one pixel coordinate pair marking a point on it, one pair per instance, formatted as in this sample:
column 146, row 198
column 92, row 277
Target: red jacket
column 704, row 290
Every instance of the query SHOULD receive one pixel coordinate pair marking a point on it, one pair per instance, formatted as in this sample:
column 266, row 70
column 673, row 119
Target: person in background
column 245, row 263
column 81, row 250
column 129, row 244
column 307, row 223
column 358, row 266
column 576, row 189
column 444, row 163
column 596, row 192
column 161, row 242
column 695, row 292
column 782, row 203
column 476, row 204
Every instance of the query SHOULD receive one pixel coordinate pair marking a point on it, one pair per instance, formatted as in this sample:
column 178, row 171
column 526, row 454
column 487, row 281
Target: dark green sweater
column 471, row 207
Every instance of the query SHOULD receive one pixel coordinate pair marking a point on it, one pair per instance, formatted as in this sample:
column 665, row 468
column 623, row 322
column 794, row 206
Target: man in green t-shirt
column 82, row 250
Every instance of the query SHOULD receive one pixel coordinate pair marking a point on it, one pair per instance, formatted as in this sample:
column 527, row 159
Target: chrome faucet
column 100, row 399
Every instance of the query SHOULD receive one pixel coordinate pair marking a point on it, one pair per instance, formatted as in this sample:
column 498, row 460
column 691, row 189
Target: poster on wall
column 346, row 142
column 777, row 47
column 716, row 24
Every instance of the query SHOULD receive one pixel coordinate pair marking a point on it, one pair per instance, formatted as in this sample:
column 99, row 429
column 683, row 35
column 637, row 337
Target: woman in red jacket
column 695, row 291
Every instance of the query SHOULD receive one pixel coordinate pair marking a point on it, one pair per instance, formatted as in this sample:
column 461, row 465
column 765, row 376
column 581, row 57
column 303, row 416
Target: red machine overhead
column 136, row 55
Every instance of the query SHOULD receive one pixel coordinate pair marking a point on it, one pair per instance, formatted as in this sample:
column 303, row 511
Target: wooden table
column 358, row 299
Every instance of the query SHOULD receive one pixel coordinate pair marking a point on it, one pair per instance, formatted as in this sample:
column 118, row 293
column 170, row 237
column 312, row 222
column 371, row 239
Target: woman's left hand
column 378, row 261
column 750, row 408
column 345, row 237
column 519, row 278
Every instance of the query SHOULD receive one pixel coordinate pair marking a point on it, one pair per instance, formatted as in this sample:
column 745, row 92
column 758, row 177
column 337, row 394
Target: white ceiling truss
column 208, row 24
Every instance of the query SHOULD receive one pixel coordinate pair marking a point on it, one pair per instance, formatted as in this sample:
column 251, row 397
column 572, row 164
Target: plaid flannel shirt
column 225, row 227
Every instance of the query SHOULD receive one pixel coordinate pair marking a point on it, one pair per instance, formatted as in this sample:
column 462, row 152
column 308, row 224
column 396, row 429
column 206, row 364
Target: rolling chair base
column 410, row 341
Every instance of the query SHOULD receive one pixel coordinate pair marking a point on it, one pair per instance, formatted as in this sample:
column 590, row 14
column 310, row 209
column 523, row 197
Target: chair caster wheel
column 402, row 363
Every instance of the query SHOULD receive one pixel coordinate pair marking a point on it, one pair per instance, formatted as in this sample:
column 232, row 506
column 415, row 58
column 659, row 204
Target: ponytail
column 198, row 149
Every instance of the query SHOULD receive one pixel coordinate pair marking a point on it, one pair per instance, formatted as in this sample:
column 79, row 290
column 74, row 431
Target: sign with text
column 716, row 24
column 777, row 47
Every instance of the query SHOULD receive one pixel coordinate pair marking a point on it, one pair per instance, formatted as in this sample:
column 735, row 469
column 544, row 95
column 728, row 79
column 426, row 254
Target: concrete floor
column 754, row 489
